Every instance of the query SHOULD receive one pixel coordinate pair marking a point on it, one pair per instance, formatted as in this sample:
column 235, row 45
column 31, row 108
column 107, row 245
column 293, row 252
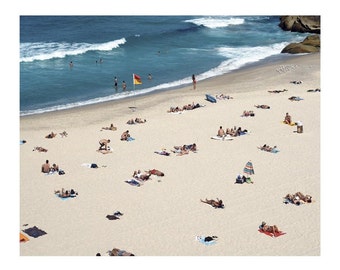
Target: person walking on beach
column 116, row 83
column 124, row 85
column 193, row 81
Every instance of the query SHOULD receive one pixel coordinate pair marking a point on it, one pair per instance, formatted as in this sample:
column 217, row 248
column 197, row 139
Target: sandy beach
column 164, row 215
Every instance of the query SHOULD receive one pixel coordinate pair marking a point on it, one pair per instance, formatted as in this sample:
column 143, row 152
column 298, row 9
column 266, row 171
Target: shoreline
column 163, row 216
column 171, row 92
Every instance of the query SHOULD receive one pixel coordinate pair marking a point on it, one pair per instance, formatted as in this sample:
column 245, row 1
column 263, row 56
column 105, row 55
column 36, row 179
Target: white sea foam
column 43, row 51
column 216, row 22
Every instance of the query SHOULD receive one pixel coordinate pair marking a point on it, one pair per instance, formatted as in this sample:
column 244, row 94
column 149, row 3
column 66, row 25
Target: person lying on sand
column 119, row 252
column 183, row 150
column 314, row 90
column 248, row 113
column 216, row 204
column 155, row 172
column 39, row 149
column 267, row 148
column 111, row 127
column 163, row 152
column 262, row 106
column 223, row 96
column 272, row 229
column 66, row 193
column 63, row 134
column 240, row 179
column 296, row 82
column 140, row 120
column 51, row 135
column 174, row 109
column 295, row 98
column 277, row 91
column 139, row 176
column 297, row 198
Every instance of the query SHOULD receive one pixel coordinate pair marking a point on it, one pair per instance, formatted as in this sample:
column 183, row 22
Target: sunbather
column 297, row 198
column 223, row 96
column 220, row 132
column 163, row 152
column 288, row 119
column 262, row 106
column 277, row 91
column 119, row 252
column 295, row 98
column 267, row 148
column 111, row 127
column 140, row 120
column 39, row 149
column 63, row 134
column 125, row 135
column 240, row 179
column 216, row 204
column 296, row 82
column 156, row 172
column 51, row 135
column 139, row 176
column 174, row 109
column 272, row 229
column 248, row 113
column 66, row 193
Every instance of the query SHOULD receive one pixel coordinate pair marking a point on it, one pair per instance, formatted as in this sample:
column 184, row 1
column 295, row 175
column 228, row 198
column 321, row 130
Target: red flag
column 137, row 79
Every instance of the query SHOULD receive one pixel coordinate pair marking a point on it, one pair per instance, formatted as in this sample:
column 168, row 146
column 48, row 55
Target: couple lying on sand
column 137, row 120
column 185, row 107
column 184, row 149
column 297, row 198
column 267, row 148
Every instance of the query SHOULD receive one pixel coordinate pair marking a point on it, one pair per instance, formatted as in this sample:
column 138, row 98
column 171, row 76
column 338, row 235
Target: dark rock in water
column 310, row 44
column 302, row 24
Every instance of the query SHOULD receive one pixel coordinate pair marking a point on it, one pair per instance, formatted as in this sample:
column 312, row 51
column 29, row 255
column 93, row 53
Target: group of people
column 184, row 149
column 137, row 120
column 267, row 148
column 297, row 198
column 233, row 132
column 66, row 193
column 185, row 107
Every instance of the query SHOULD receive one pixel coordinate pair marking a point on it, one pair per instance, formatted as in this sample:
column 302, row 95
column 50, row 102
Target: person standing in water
column 193, row 81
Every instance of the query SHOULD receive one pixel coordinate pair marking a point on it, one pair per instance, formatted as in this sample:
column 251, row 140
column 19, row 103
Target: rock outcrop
column 310, row 44
column 302, row 24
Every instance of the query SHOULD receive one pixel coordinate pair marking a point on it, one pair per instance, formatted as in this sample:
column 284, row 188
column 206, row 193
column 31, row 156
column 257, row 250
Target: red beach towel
column 271, row 234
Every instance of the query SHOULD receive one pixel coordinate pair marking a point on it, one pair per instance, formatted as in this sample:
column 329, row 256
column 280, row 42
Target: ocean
column 71, row 61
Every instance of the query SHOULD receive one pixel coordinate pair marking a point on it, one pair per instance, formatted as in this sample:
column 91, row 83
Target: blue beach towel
column 201, row 239
column 130, row 139
column 133, row 182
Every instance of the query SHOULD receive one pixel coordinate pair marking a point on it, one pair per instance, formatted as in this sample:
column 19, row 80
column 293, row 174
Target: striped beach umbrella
column 249, row 169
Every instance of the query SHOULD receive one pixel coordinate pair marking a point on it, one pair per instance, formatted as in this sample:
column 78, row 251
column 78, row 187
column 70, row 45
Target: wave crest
column 216, row 22
column 43, row 51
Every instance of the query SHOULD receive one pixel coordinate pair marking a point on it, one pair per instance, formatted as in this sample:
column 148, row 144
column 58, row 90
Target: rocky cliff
column 302, row 24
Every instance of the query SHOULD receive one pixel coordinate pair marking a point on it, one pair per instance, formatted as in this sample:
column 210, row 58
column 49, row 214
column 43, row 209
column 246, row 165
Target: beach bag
column 94, row 165
column 61, row 172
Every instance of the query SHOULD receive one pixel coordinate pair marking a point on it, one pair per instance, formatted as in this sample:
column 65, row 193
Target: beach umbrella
column 249, row 169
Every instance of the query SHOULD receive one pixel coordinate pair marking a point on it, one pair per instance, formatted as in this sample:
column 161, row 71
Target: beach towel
column 65, row 198
column 90, row 165
column 23, row 238
column 291, row 124
column 130, row 139
column 225, row 138
column 34, row 232
column 104, row 151
column 133, row 182
column 205, row 240
column 271, row 235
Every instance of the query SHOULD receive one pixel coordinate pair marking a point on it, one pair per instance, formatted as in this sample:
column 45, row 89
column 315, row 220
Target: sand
column 164, row 215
